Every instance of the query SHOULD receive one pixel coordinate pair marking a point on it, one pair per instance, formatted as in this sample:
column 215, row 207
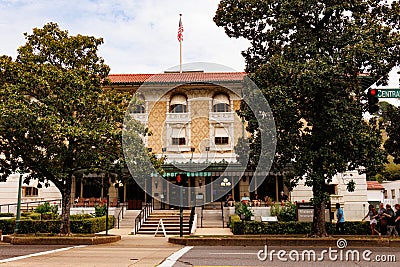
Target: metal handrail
column 122, row 205
column 141, row 218
column 192, row 212
column 29, row 202
column 201, row 218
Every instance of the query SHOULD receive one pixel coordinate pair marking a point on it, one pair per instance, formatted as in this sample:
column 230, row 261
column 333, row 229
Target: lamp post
column 18, row 205
column 225, row 182
column 117, row 185
column 192, row 149
column 207, row 150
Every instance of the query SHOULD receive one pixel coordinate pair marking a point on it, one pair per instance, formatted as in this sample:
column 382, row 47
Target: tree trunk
column 318, row 226
column 66, row 206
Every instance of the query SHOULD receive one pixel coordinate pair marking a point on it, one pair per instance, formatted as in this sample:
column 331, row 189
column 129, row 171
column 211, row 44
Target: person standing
column 340, row 219
column 391, row 224
column 372, row 213
column 283, row 198
column 397, row 217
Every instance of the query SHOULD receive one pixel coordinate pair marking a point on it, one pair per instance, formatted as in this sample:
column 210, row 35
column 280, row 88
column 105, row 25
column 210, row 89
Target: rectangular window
column 385, row 194
column 29, row 191
column 178, row 141
column 221, row 136
column 393, row 194
column 221, row 140
column 178, row 136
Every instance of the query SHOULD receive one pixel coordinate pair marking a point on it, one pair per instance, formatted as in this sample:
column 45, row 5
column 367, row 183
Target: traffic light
column 178, row 179
column 373, row 100
column 181, row 179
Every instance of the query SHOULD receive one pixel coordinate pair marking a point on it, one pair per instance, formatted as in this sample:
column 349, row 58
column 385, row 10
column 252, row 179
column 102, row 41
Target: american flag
column 180, row 30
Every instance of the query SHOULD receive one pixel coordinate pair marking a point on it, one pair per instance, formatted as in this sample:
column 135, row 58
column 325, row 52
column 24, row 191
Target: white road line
column 171, row 260
column 233, row 253
column 40, row 254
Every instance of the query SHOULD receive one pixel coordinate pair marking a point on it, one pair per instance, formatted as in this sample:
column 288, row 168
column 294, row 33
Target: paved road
column 247, row 256
column 8, row 251
column 140, row 251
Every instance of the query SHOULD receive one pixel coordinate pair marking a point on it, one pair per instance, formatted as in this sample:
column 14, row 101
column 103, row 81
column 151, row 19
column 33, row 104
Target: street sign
column 389, row 93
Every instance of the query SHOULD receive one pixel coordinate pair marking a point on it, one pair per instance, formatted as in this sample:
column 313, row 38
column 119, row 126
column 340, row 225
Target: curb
column 95, row 240
column 282, row 241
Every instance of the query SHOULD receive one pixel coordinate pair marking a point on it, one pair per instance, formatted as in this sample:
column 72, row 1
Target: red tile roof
column 186, row 77
column 374, row 185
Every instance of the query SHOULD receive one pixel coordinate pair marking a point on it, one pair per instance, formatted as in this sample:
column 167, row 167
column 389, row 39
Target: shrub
column 43, row 208
column 242, row 209
column 7, row 226
column 31, row 216
column 233, row 218
column 84, row 226
column 285, row 228
column 7, row 214
column 285, row 213
column 92, row 225
column 82, row 216
column 100, row 210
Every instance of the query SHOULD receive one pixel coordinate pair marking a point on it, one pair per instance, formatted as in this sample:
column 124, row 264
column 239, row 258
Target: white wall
column 375, row 195
column 392, row 198
column 9, row 192
column 354, row 204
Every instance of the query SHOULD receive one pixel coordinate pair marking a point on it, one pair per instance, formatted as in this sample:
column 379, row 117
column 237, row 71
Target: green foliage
column 100, row 210
column 233, row 218
column 43, row 208
column 306, row 57
column 243, row 209
column 56, row 121
column 393, row 132
column 290, row 228
column 7, row 214
column 83, row 226
column 7, row 226
column 31, row 216
column 47, row 211
column 92, row 225
column 77, row 217
column 285, row 213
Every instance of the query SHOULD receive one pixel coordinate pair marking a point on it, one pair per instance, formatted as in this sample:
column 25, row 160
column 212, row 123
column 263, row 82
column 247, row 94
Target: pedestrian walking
column 372, row 214
column 391, row 224
column 382, row 220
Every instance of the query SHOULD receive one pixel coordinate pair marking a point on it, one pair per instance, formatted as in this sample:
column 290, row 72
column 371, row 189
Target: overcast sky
column 140, row 36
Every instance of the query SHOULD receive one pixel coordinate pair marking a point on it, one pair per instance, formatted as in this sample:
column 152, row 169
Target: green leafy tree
column 307, row 57
column 392, row 144
column 56, row 121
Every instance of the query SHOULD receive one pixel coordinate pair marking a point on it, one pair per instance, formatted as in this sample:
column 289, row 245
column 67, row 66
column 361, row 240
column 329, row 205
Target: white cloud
column 139, row 36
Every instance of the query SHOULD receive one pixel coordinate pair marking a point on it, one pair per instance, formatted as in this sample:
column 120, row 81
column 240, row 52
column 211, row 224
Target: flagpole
column 180, row 56
column 180, row 46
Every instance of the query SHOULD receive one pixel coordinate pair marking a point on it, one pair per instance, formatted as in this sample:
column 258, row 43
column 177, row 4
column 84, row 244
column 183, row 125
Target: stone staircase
column 212, row 215
column 170, row 220
column 129, row 219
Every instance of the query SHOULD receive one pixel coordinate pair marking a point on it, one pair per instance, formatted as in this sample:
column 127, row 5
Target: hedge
column 286, row 228
column 84, row 226
column 7, row 214
column 7, row 226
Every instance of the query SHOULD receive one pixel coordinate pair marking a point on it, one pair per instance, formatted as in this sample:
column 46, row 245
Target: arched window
column 221, row 103
column 178, row 104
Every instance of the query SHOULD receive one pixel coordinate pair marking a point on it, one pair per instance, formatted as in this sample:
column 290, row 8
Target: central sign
column 389, row 93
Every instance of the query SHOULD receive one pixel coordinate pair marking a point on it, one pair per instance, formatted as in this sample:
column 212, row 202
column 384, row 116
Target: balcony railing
column 222, row 116
column 178, row 117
